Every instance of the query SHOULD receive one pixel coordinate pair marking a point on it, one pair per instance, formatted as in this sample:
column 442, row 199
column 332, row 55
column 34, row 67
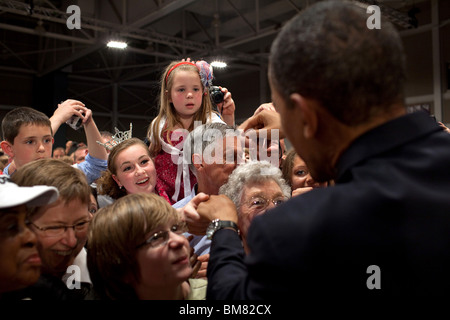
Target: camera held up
column 216, row 95
column 75, row 122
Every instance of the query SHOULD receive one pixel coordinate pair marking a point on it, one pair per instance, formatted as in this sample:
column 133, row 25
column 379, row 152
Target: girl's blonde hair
column 166, row 108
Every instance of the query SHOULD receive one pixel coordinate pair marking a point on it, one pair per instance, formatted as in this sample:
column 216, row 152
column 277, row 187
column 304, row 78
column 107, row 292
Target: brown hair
column 16, row 118
column 288, row 165
column 114, row 235
column 70, row 182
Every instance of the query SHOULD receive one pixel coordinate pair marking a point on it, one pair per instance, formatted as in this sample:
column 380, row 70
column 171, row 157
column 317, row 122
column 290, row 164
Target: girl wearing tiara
column 184, row 100
column 130, row 170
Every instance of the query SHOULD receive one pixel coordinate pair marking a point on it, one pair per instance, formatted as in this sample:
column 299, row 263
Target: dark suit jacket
column 390, row 208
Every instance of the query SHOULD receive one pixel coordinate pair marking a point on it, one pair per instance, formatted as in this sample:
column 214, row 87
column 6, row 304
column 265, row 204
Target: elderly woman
column 137, row 251
column 255, row 187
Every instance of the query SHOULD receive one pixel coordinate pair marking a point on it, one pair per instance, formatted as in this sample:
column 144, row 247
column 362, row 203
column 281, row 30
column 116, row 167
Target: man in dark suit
column 384, row 228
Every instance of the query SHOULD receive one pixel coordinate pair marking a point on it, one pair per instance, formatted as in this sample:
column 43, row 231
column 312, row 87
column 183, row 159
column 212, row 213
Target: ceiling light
column 218, row 64
column 117, row 44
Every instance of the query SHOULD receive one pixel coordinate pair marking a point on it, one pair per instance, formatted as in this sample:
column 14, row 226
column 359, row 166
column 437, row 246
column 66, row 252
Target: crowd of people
column 212, row 210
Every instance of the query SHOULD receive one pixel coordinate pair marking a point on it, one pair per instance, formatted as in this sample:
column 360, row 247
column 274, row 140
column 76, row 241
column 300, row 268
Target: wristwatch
column 220, row 224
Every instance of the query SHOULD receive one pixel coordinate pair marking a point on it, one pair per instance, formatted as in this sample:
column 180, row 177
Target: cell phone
column 75, row 122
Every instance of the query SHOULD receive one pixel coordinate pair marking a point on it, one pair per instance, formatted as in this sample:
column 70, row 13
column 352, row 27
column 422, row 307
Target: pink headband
column 177, row 65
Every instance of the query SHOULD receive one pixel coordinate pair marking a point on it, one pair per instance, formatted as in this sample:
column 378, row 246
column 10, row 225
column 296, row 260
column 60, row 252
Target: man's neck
column 338, row 137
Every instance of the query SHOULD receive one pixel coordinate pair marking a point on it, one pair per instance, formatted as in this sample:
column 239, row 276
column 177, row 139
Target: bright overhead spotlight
column 117, row 44
column 218, row 64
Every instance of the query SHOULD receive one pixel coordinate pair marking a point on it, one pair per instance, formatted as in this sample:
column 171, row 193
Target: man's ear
column 306, row 109
column 7, row 148
column 197, row 161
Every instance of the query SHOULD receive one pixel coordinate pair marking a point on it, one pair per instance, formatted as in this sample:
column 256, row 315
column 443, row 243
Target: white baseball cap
column 11, row 195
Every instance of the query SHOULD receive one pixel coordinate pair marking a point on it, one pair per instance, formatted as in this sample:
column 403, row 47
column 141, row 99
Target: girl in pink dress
column 184, row 102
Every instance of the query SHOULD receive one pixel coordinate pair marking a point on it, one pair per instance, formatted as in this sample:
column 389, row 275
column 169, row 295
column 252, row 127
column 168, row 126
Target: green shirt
column 198, row 289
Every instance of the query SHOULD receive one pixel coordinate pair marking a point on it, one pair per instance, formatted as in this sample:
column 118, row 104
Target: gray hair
column 252, row 172
column 201, row 137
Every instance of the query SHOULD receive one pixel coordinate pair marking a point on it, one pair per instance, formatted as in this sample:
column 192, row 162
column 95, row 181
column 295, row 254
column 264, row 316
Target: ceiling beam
column 46, row 34
column 74, row 57
column 161, row 13
column 199, row 25
column 107, row 28
column 15, row 55
column 116, row 11
column 267, row 13
column 244, row 39
column 242, row 16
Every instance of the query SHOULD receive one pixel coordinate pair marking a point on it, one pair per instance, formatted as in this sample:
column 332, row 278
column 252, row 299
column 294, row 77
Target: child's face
column 166, row 265
column 301, row 177
column 135, row 170
column 32, row 143
column 186, row 93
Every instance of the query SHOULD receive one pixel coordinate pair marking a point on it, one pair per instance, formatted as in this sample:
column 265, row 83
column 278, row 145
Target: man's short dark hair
column 327, row 53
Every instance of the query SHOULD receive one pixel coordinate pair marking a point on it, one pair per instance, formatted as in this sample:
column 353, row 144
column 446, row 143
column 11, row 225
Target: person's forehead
column 12, row 211
column 133, row 152
column 268, row 186
column 185, row 75
column 298, row 161
column 31, row 129
column 63, row 211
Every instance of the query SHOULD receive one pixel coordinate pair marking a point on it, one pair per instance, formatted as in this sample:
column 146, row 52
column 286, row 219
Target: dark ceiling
column 122, row 86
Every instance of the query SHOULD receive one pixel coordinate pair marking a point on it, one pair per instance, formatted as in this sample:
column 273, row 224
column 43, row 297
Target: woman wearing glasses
column 137, row 251
column 60, row 227
column 254, row 187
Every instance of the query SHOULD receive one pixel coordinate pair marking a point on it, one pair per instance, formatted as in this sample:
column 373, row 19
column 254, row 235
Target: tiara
column 118, row 137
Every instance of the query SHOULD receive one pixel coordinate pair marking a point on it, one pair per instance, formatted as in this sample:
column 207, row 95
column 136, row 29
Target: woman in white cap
column 20, row 263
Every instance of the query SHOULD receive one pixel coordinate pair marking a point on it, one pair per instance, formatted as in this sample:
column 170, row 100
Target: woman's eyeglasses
column 259, row 203
column 160, row 238
column 56, row 231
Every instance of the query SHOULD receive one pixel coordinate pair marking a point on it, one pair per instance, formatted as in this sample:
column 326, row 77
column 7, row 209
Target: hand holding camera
column 75, row 122
column 73, row 113
column 221, row 98
column 216, row 95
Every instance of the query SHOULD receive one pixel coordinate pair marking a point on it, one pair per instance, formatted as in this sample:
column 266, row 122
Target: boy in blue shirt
column 28, row 136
